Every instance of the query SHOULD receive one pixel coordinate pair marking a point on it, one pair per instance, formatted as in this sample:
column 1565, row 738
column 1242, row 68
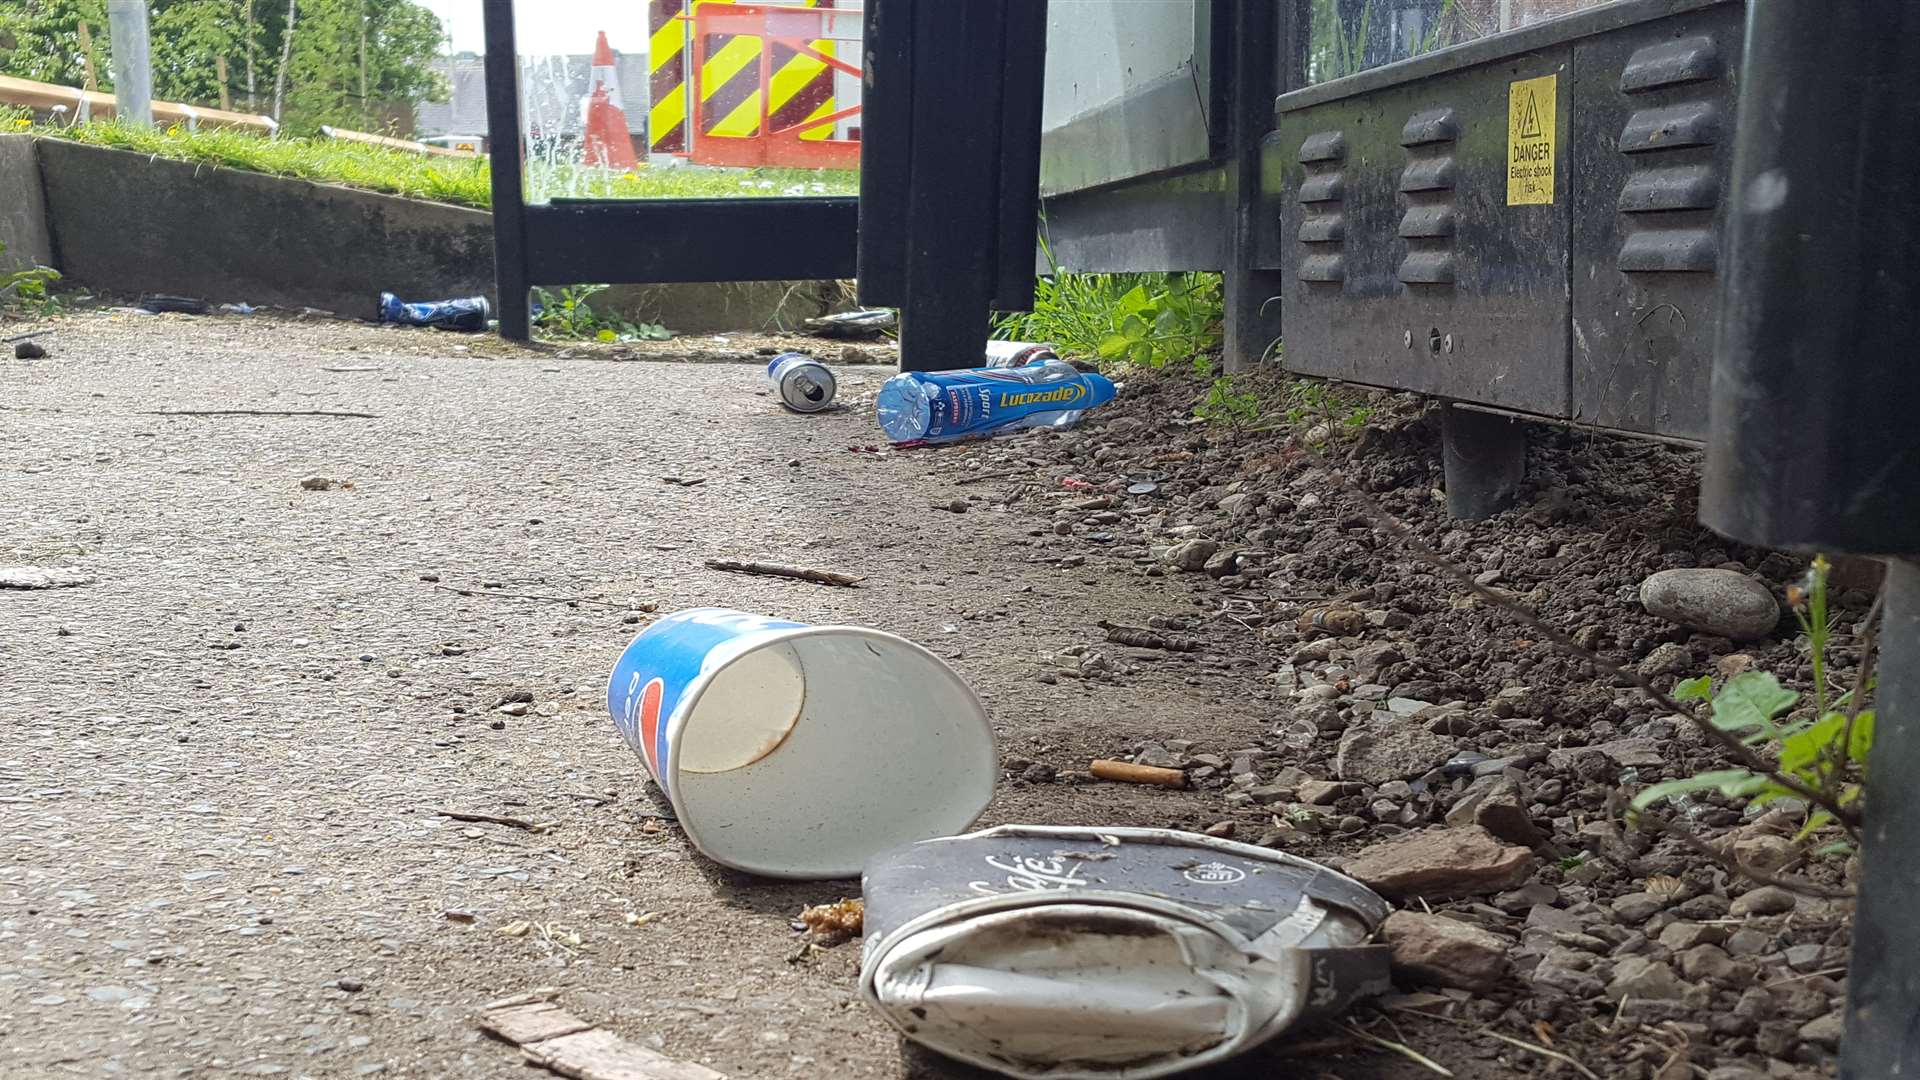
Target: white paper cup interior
column 1091, row 989
column 807, row 755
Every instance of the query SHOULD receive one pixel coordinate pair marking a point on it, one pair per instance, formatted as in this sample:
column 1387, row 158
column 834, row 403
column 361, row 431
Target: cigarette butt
column 1128, row 773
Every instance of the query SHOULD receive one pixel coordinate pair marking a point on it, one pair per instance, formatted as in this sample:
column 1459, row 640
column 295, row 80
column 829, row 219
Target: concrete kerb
column 23, row 208
column 129, row 223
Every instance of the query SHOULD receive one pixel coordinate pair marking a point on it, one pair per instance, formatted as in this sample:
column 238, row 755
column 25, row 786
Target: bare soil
column 224, row 761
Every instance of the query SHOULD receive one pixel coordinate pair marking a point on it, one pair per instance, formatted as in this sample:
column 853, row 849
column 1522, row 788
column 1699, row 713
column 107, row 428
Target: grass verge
column 463, row 182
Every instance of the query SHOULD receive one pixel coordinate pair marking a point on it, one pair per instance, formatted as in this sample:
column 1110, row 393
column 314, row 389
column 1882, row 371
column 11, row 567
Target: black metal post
column 505, row 151
column 1815, row 390
column 949, row 178
column 1485, row 459
column 1023, row 63
column 1252, row 295
column 953, row 184
column 1883, row 983
column 886, row 146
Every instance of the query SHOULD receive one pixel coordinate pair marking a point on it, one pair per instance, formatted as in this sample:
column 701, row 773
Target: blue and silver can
column 804, row 384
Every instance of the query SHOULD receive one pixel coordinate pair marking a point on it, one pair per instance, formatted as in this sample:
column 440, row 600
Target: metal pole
column 1252, row 294
column 953, row 187
column 504, row 160
column 1814, row 391
column 1883, row 985
column 132, row 73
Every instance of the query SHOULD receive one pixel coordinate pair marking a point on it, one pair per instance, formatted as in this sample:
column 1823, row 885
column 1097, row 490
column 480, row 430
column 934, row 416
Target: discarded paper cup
column 801, row 751
column 1113, row 953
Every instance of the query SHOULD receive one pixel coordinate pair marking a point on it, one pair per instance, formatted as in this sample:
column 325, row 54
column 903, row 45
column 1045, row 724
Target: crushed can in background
column 1005, row 354
column 947, row 406
column 871, row 322
column 469, row 314
column 803, row 384
column 801, row 751
column 1118, row 954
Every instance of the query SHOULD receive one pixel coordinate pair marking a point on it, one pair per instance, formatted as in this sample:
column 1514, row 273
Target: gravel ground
column 225, row 759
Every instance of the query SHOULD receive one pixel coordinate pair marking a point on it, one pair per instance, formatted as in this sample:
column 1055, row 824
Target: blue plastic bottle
column 945, row 406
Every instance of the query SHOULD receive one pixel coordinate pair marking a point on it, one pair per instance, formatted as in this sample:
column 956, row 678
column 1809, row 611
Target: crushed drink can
column 1120, row 954
column 1018, row 353
column 467, row 314
column 801, row 751
column 804, row 384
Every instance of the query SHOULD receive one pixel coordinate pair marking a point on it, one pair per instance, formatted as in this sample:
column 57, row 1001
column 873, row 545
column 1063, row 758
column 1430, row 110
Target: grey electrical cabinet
column 1529, row 222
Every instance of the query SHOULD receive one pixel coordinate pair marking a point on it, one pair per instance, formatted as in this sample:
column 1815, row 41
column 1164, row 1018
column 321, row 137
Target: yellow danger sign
column 1530, row 140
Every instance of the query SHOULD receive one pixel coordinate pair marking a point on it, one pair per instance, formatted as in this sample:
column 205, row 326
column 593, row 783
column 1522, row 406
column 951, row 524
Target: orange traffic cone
column 606, row 143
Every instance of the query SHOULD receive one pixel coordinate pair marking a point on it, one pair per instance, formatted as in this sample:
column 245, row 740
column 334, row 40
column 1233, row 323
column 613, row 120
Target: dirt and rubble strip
column 232, row 756
column 1423, row 740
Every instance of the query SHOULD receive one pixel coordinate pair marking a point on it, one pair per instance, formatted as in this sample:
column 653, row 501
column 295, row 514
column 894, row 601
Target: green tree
column 193, row 41
column 40, row 39
column 347, row 61
column 349, row 56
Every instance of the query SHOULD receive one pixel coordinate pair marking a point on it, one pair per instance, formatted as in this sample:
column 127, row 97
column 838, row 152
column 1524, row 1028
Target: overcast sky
column 551, row 26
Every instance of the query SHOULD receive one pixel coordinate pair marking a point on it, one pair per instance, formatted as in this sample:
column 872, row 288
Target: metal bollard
column 1814, row 389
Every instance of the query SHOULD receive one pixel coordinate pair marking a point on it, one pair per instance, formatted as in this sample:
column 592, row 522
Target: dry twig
column 1644, row 819
column 1140, row 637
column 1402, row 1049
column 1869, row 638
column 531, row 596
column 258, row 412
column 798, row 573
column 982, row 477
column 1536, row 1048
column 495, row 819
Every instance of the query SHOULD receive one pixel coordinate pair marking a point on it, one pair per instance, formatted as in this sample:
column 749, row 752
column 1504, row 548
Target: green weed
column 1149, row 319
column 1225, row 405
column 565, row 315
column 1825, row 750
column 28, row 287
column 1316, row 404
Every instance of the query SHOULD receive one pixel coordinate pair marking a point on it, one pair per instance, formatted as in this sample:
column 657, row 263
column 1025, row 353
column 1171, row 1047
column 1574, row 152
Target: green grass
column 1141, row 318
column 440, row 179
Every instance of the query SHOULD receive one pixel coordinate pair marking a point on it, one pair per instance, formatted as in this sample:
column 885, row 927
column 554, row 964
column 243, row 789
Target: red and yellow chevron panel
column 801, row 86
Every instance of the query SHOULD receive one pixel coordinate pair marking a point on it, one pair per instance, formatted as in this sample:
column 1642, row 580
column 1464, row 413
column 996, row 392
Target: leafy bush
column 1163, row 318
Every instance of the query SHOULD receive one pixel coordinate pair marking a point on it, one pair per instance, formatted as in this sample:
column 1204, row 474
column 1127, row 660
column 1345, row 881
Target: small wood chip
column 531, row 1022
column 1332, row 621
column 557, row 1040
